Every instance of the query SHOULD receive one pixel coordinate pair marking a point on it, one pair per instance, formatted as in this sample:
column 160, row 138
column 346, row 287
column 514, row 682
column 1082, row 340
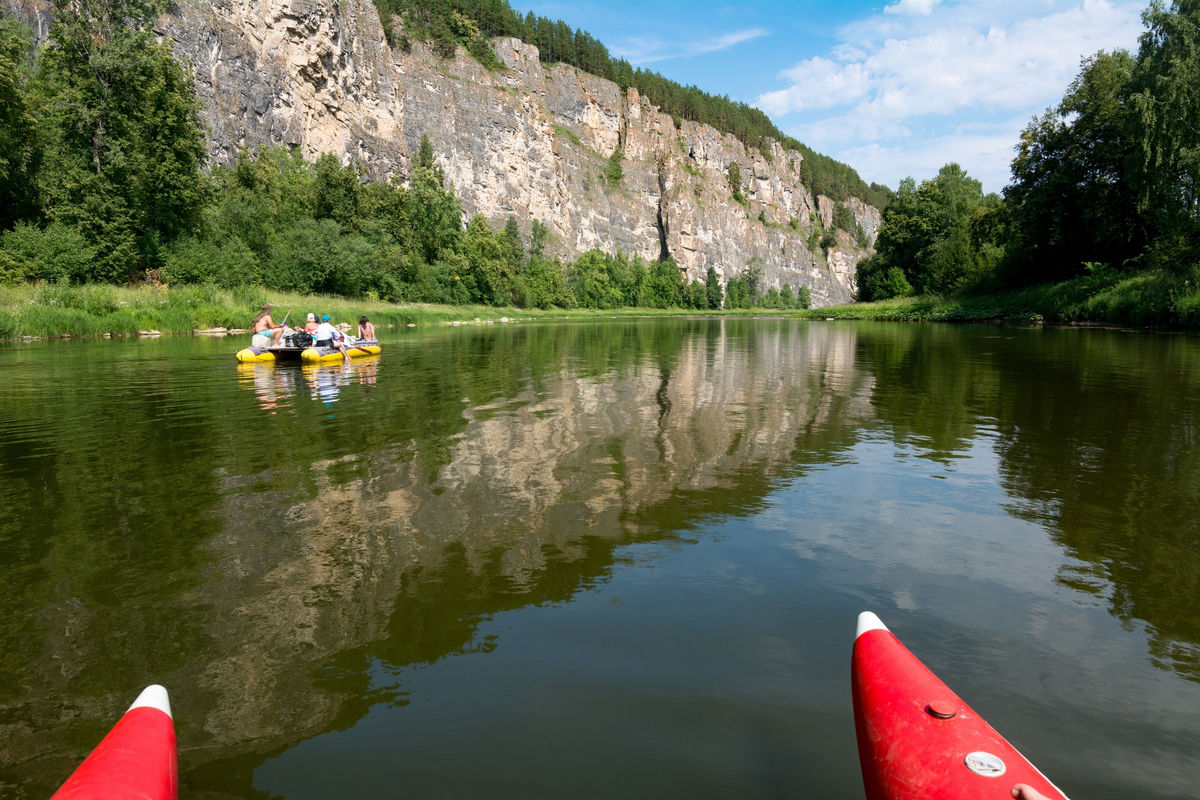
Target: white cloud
column 921, row 7
column 918, row 73
column 818, row 83
column 984, row 154
column 648, row 49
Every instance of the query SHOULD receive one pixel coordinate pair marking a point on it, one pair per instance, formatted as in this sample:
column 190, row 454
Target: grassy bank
column 52, row 310
column 1144, row 300
column 93, row 310
column 1150, row 299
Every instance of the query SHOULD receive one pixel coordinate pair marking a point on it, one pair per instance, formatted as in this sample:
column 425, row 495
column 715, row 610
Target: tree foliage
column 1111, row 175
column 1073, row 196
column 119, row 134
column 925, row 240
column 16, row 123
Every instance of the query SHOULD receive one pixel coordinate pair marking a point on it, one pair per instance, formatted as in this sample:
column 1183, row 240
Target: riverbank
column 1157, row 300
column 1105, row 297
column 55, row 310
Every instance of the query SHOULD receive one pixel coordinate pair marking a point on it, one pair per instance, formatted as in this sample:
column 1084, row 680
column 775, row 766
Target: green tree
column 664, row 286
column 591, row 282
column 613, row 172
column 712, row 288
column 786, row 298
column 539, row 234
column 119, row 133
column 488, row 264
column 336, row 191
column 804, row 300
column 733, row 176
column 425, row 157
column 1167, row 104
column 435, row 215
column 16, row 124
column 514, row 246
column 54, row 253
column 925, row 235
column 1073, row 195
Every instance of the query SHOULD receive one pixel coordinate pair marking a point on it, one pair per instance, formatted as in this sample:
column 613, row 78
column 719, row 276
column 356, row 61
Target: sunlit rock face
column 529, row 141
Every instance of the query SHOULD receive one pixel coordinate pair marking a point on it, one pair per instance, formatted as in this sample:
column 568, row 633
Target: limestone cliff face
column 530, row 141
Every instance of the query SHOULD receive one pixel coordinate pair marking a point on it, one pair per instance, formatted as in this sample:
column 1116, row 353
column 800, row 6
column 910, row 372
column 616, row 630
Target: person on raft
column 1025, row 792
column 365, row 329
column 264, row 332
column 329, row 336
column 311, row 324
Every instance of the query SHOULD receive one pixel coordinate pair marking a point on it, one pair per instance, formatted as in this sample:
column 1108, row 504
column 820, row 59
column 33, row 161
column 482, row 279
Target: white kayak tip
column 867, row 621
column 153, row 697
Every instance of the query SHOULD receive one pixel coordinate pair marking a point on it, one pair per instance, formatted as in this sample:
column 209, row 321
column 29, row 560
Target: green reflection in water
column 262, row 538
column 1096, row 435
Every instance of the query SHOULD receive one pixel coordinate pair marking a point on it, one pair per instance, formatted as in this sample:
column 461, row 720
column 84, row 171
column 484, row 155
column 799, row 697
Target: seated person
column 310, row 325
column 328, row 336
column 365, row 329
column 264, row 332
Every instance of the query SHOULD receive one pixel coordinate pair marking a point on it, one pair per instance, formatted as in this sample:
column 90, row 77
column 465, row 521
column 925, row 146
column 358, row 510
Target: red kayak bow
column 917, row 740
column 135, row 761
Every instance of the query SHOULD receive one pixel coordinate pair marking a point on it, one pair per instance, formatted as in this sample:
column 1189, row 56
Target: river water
column 600, row 559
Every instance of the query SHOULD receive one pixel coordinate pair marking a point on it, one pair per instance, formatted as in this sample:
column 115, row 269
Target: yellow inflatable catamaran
column 310, row 354
column 365, row 347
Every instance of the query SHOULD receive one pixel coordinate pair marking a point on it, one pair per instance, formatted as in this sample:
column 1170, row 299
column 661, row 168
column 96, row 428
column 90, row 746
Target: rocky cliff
column 529, row 141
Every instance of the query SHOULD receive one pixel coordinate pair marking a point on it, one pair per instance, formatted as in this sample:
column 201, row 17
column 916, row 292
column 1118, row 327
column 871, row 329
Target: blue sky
column 892, row 89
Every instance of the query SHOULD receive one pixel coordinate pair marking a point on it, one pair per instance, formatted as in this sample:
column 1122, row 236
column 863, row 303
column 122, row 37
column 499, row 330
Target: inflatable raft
column 302, row 349
column 137, row 760
column 358, row 349
column 918, row 739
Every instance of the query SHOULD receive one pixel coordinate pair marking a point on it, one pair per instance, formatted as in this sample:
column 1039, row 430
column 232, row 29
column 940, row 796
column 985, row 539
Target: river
column 600, row 559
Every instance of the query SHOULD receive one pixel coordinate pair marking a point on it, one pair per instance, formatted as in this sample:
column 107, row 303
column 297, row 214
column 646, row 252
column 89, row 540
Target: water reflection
column 1096, row 435
column 275, row 385
column 269, row 560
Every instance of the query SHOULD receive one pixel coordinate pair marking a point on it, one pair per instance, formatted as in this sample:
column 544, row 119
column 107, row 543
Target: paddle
column 283, row 324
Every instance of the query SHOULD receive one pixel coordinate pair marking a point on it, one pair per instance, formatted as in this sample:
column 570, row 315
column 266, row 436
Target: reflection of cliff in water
column 389, row 550
column 383, row 565
column 1097, row 435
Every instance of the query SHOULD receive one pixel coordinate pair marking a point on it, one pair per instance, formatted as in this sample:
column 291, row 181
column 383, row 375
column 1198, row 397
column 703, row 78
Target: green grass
column 51, row 310
column 93, row 310
column 568, row 134
column 1149, row 299
column 1146, row 299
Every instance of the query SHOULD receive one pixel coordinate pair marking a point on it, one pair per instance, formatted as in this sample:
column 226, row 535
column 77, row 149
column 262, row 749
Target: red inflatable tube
column 917, row 740
column 137, row 760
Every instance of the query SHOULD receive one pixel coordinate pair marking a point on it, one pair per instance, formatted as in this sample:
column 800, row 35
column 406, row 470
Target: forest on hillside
column 450, row 24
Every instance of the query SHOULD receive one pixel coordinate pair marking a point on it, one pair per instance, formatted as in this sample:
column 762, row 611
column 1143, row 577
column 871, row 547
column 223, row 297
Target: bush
column 878, row 281
column 56, row 252
column 229, row 263
column 613, row 172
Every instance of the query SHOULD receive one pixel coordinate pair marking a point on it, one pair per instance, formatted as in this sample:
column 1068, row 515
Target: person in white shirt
column 328, row 336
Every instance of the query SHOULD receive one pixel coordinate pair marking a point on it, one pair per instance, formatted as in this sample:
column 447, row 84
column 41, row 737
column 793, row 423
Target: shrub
column 56, row 252
column 613, row 172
